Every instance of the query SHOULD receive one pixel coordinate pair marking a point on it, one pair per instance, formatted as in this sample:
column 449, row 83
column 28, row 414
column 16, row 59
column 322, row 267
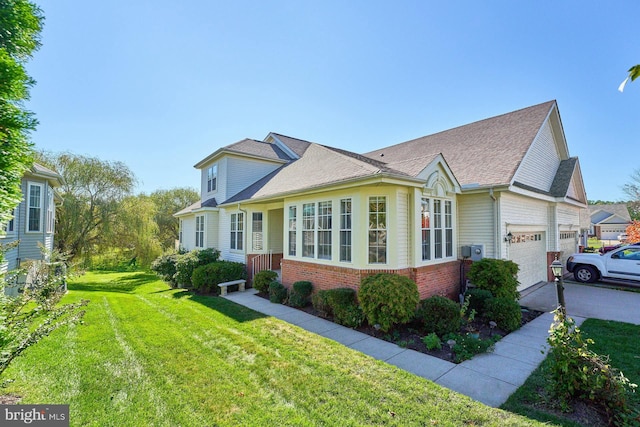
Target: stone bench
column 225, row 285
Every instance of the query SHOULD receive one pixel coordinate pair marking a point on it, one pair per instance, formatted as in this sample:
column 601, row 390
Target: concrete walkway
column 488, row 378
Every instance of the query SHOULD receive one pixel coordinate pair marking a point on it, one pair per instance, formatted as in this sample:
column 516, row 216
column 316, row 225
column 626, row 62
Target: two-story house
column 505, row 185
column 33, row 222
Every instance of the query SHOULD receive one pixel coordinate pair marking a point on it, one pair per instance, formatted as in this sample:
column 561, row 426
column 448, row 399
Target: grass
column 616, row 339
column 152, row 356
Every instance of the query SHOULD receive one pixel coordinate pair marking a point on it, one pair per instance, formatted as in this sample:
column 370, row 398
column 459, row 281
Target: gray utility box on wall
column 473, row 252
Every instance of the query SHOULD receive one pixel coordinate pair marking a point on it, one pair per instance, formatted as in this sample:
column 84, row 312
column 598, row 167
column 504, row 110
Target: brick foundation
column 439, row 279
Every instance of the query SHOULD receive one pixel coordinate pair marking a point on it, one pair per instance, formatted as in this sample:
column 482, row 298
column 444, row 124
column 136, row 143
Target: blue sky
column 161, row 84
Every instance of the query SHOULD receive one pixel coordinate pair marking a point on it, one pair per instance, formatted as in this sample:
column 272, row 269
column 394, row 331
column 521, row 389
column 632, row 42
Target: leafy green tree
column 168, row 202
column 634, row 73
column 92, row 192
column 134, row 230
column 20, row 26
column 633, row 191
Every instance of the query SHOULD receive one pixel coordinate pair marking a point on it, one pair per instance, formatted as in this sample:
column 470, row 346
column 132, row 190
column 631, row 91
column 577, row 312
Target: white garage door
column 529, row 251
column 568, row 246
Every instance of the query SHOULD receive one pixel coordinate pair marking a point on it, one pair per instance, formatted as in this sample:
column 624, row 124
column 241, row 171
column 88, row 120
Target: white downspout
column 496, row 243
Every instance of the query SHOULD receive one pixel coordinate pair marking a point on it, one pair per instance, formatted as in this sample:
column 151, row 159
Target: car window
column 631, row 254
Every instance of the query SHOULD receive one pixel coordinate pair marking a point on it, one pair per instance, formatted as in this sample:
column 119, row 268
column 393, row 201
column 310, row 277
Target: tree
column 20, row 26
column 633, row 232
column 633, row 191
column 168, row 202
column 634, row 73
column 134, row 231
column 92, row 191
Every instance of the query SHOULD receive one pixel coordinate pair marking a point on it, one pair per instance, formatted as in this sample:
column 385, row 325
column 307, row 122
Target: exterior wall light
column 508, row 238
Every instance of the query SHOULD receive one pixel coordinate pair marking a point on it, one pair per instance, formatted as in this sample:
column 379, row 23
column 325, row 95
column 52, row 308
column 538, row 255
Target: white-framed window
column 256, row 231
column 237, row 231
column 377, row 230
column 325, row 213
column 50, row 210
column 436, row 228
column 345, row 230
column 8, row 227
column 199, row 231
column 293, row 211
column 308, row 230
column 425, row 214
column 181, row 227
column 212, row 177
column 34, row 207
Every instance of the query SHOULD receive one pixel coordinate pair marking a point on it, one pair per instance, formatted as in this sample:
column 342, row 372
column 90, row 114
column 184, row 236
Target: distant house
column 505, row 187
column 33, row 222
column 609, row 221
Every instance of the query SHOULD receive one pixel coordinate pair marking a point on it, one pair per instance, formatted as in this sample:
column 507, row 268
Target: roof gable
column 599, row 213
column 485, row 153
column 248, row 148
column 320, row 166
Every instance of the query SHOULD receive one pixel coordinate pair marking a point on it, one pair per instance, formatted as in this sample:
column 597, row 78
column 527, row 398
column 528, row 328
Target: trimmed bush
column 505, row 312
column 388, row 299
column 299, row 293
column 350, row 316
column 321, row 303
column 206, row 277
column 303, row 288
column 263, row 279
column 500, row 277
column 277, row 292
column 439, row 315
column 185, row 265
column 341, row 297
column 478, row 298
column 165, row 267
column 188, row 262
column 207, row 256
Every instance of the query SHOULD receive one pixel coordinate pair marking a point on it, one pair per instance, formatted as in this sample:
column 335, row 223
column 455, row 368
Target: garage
column 529, row 251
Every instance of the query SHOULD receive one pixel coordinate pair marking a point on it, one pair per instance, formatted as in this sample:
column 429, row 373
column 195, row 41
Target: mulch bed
column 410, row 335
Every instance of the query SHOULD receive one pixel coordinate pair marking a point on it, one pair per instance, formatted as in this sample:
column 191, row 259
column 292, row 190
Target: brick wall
column 439, row 279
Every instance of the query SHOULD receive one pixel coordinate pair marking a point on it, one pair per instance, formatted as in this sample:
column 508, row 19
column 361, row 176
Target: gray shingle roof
column 487, row 152
column 209, row 203
column 298, row 146
column 318, row 167
column 258, row 148
column 607, row 211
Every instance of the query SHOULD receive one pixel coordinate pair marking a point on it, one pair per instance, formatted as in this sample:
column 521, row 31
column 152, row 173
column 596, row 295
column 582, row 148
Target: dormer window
column 212, row 178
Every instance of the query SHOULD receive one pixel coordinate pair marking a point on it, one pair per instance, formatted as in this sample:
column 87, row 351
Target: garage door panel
column 529, row 251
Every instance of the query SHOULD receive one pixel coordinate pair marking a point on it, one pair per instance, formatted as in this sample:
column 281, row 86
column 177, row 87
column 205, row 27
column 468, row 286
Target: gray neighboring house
column 33, row 223
column 609, row 221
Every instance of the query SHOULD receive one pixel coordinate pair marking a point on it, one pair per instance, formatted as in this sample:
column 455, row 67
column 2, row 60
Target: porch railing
column 262, row 262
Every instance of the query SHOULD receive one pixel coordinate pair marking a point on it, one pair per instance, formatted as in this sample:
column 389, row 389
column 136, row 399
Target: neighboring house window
column 50, row 210
column 212, row 177
column 377, row 230
column 237, row 230
column 324, row 230
column 34, row 207
column 426, row 229
column 7, row 227
column 308, row 228
column 437, row 235
column 345, row 230
column 200, row 231
column 292, row 230
column 256, row 231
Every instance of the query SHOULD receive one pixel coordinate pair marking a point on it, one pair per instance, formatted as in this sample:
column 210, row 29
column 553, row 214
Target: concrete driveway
column 587, row 301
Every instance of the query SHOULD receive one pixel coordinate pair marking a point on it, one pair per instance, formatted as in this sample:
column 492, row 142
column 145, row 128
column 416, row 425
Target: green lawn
column 617, row 340
column 149, row 355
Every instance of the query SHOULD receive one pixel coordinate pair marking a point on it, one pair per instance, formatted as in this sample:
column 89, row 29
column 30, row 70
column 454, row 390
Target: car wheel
column 585, row 274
